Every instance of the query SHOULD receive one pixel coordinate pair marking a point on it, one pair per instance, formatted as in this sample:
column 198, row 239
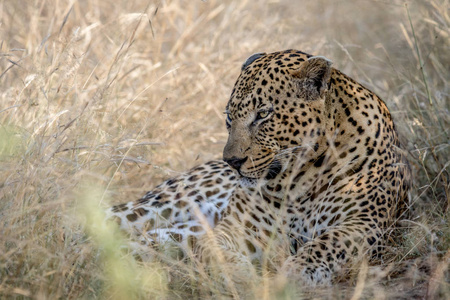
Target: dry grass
column 101, row 100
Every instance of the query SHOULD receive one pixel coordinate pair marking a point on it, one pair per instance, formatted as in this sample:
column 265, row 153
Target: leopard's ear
column 251, row 59
column 313, row 77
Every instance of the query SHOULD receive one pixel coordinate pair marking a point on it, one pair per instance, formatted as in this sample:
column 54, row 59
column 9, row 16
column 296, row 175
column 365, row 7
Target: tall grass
column 101, row 100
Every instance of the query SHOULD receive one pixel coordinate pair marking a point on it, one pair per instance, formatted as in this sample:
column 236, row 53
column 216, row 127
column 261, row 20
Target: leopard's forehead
column 264, row 76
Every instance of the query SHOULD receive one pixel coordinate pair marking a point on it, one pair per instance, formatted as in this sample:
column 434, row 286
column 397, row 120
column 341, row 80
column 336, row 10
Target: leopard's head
column 276, row 108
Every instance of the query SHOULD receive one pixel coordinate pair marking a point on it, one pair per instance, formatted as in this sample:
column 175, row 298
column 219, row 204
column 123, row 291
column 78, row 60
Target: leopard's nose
column 235, row 162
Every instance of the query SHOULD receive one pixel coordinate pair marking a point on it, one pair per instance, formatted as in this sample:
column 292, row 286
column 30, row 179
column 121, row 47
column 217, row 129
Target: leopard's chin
column 248, row 182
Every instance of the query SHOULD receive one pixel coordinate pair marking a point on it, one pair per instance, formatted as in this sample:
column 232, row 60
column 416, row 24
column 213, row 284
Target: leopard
column 312, row 170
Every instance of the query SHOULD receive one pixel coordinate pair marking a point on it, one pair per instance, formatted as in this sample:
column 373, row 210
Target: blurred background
column 116, row 96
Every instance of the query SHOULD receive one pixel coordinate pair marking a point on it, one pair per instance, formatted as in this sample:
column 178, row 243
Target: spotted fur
column 320, row 176
column 179, row 210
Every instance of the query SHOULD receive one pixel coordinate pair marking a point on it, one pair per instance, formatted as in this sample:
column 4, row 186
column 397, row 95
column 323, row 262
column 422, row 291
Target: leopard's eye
column 228, row 121
column 263, row 114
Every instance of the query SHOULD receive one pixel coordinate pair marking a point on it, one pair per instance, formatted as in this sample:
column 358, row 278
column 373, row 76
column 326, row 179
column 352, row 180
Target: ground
column 102, row 100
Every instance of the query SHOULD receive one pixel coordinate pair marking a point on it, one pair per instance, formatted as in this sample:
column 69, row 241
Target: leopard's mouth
column 272, row 170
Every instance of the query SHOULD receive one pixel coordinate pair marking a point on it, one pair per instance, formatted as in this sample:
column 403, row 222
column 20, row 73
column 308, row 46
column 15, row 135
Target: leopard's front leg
column 334, row 252
column 221, row 253
column 243, row 245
